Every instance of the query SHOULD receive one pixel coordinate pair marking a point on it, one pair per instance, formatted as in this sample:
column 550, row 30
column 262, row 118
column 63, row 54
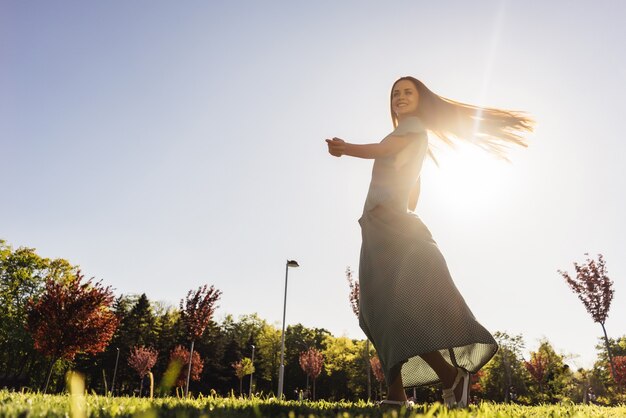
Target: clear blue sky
column 163, row 145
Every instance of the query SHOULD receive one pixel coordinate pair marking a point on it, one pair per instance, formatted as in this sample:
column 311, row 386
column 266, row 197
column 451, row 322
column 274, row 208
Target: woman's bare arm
column 391, row 145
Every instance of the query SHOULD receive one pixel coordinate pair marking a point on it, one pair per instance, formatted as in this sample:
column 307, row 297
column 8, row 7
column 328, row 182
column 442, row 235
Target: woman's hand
column 336, row 147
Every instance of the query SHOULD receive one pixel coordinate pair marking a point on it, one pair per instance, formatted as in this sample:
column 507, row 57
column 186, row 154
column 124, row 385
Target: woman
column 410, row 308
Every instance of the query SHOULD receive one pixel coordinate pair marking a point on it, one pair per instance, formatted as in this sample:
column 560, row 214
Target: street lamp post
column 281, row 371
column 250, row 391
column 115, row 372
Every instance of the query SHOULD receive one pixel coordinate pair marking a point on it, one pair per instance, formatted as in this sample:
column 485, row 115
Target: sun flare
column 468, row 180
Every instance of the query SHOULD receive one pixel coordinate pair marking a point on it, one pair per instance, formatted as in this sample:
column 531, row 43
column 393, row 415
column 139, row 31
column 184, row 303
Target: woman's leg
column 395, row 392
column 444, row 370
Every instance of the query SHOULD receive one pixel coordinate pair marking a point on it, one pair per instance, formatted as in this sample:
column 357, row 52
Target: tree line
column 48, row 326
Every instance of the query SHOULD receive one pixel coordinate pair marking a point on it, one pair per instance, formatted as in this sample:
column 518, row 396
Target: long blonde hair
column 493, row 130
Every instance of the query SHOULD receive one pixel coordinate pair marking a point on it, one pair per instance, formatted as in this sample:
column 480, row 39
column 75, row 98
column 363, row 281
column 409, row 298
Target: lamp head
column 292, row 263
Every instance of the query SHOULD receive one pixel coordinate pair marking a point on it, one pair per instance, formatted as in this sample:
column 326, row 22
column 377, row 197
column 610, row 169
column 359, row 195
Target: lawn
column 36, row 405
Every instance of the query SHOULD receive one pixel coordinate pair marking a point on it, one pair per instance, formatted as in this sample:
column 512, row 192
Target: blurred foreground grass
column 78, row 405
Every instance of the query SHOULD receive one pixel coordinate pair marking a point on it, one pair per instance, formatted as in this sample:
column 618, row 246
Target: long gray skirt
column 409, row 304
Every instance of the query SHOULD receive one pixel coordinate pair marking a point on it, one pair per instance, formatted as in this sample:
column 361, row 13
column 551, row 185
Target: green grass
column 38, row 405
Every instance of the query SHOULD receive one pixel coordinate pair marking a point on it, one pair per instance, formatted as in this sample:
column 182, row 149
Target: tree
column 354, row 291
column 181, row 355
column 243, row 334
column 505, row 373
column 142, row 360
column 171, row 332
column 268, row 349
column 619, row 370
column 70, row 318
column 298, row 338
column 196, row 311
column 244, row 329
column 23, row 274
column 311, row 362
column 377, row 368
column 343, row 363
column 475, row 385
column 219, row 353
column 537, row 367
column 243, row 368
column 554, row 375
column 595, row 290
column 139, row 325
column 354, row 296
column 602, row 370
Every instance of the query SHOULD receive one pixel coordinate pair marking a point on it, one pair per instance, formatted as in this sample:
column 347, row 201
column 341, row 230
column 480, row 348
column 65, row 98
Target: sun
column 469, row 181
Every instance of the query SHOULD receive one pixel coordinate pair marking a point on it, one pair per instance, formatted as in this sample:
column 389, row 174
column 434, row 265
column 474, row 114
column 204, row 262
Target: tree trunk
column 189, row 370
column 608, row 351
column 29, row 366
column 24, row 359
column 45, row 389
column 141, row 387
column 104, row 378
column 314, row 389
column 507, row 370
column 241, row 387
column 307, row 383
column 151, row 376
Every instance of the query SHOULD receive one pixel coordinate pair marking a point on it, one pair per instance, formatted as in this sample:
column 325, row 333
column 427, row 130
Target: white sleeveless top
column 394, row 176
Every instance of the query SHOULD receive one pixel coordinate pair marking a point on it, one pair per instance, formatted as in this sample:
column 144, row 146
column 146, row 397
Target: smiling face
column 404, row 98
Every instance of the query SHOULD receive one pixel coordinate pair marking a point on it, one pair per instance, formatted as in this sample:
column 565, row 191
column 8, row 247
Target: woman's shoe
column 449, row 397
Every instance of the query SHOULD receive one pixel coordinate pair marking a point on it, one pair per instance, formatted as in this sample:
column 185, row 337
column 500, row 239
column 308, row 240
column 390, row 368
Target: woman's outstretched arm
column 392, row 144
